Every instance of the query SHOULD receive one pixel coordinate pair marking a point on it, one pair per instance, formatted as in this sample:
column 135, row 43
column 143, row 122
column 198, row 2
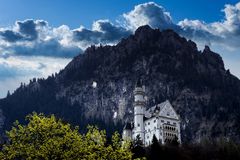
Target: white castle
column 160, row 120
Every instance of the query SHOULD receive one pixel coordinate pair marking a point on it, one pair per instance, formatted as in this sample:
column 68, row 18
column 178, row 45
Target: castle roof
column 139, row 83
column 156, row 110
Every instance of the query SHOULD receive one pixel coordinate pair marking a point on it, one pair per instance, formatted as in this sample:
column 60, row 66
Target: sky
column 38, row 38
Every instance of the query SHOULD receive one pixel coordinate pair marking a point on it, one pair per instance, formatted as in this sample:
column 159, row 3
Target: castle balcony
column 170, row 128
column 139, row 103
column 169, row 132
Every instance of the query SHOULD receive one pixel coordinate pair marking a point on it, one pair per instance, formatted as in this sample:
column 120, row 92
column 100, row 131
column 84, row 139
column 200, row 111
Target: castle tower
column 139, row 111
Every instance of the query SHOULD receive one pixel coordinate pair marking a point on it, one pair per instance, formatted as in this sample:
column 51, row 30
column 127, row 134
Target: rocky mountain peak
column 213, row 58
column 207, row 49
column 206, row 96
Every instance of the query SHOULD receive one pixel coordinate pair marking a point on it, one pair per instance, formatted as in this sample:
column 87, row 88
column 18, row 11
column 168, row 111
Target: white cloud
column 148, row 14
column 224, row 32
column 36, row 37
column 14, row 70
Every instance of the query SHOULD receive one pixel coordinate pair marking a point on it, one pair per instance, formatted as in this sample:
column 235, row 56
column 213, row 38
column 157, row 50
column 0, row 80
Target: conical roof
column 127, row 126
column 139, row 83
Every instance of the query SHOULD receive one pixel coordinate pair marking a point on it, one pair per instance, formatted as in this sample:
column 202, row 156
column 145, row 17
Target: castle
column 160, row 120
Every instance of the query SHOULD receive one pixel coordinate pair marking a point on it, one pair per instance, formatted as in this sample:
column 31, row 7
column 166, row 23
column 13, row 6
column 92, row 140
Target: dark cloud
column 28, row 29
column 36, row 39
column 50, row 48
column 87, row 35
column 103, row 32
column 10, row 36
column 25, row 31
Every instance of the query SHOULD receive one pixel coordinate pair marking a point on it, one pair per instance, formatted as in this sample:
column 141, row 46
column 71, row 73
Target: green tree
column 48, row 138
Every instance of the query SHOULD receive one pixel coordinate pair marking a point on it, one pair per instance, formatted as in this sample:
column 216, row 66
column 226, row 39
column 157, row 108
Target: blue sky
column 38, row 38
column 76, row 12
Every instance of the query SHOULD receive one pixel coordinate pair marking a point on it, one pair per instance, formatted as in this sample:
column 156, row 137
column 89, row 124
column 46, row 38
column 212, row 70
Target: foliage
column 51, row 138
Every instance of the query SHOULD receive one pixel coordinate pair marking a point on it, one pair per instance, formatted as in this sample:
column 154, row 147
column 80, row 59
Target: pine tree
column 155, row 149
column 138, row 149
column 8, row 94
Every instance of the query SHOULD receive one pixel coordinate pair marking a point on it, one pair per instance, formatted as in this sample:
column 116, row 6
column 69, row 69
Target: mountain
column 97, row 87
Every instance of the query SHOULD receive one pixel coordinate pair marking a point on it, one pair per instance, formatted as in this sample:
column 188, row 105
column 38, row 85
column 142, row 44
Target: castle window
column 148, row 130
column 148, row 123
column 154, row 121
column 168, row 114
column 162, row 121
column 174, row 123
column 138, row 125
column 168, row 122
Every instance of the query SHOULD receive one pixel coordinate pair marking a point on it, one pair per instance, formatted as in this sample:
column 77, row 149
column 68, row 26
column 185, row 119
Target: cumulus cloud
column 225, row 32
column 23, row 30
column 148, row 14
column 36, row 37
column 103, row 31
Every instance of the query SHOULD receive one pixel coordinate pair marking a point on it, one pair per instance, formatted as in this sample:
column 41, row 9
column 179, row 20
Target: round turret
column 139, row 110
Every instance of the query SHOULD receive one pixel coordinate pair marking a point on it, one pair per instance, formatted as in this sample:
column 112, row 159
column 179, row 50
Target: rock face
column 97, row 86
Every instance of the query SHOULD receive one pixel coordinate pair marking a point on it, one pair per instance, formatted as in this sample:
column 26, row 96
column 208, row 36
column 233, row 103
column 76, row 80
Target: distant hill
column 97, row 86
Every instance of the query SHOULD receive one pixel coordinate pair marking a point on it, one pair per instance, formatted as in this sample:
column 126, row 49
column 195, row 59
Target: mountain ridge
column 202, row 91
